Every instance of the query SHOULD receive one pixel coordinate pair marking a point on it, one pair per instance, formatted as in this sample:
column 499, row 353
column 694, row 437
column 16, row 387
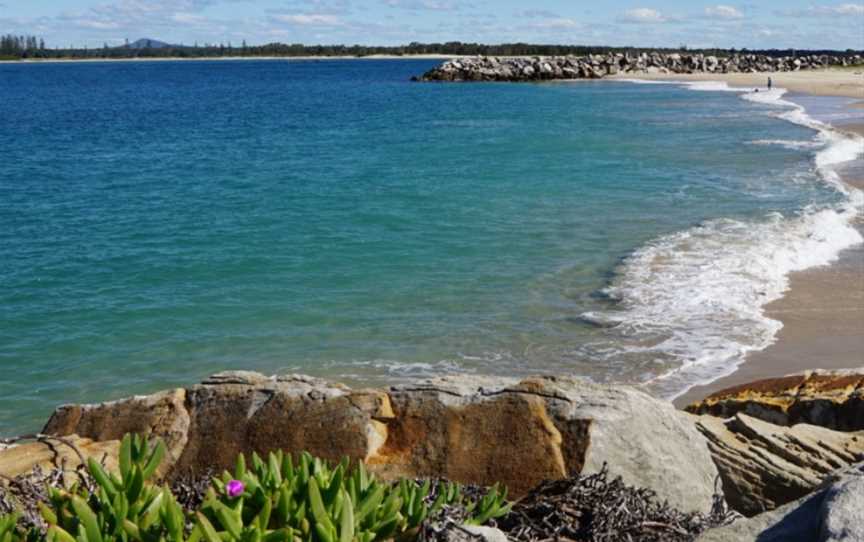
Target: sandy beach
column 848, row 82
column 823, row 311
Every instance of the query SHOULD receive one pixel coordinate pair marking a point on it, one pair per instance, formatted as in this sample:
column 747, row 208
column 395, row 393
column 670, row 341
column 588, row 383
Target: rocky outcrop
column 764, row 466
column 489, row 68
column 832, row 399
column 831, row 514
column 469, row 429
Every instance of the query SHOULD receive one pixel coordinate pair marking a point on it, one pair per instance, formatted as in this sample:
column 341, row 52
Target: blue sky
column 786, row 23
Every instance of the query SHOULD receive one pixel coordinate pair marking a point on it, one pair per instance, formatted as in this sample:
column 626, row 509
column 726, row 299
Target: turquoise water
column 160, row 221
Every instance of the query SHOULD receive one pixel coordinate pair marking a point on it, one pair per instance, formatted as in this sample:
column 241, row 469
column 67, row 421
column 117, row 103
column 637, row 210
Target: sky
column 646, row 23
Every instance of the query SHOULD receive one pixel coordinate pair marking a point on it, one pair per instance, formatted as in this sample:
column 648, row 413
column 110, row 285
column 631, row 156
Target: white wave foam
column 787, row 143
column 699, row 295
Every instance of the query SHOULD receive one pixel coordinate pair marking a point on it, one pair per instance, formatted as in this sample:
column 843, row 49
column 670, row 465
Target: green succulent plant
column 9, row 528
column 277, row 500
column 312, row 500
column 123, row 508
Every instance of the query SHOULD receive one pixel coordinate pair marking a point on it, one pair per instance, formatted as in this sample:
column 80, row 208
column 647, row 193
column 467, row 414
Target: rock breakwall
column 516, row 69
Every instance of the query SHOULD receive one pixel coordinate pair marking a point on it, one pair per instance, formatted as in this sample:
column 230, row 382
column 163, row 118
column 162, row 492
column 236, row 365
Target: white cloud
column 96, row 25
column 643, row 16
column 723, row 12
column 430, row 5
column 558, row 23
column 310, row 19
column 188, row 18
column 838, row 10
column 843, row 9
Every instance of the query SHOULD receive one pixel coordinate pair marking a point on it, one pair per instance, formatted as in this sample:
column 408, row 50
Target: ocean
column 162, row 221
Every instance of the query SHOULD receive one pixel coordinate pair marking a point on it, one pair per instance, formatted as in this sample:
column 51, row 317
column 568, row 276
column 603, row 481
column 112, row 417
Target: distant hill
column 147, row 43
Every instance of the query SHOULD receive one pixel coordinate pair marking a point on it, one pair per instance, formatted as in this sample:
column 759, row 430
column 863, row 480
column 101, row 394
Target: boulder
column 833, row 513
column 765, row 466
column 469, row 429
column 843, row 511
column 832, row 399
column 483, row 430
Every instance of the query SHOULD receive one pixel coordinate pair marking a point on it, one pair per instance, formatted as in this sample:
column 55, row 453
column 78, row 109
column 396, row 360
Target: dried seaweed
column 189, row 489
column 24, row 492
column 596, row 509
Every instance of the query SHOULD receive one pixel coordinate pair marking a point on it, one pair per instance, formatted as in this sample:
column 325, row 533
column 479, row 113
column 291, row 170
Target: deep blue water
column 160, row 221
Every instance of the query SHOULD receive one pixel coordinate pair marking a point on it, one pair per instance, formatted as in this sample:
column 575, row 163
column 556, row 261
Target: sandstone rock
column 163, row 414
column 486, row 430
column 831, row 514
column 293, row 413
column 56, row 453
column 470, row 429
column 764, row 466
column 832, row 399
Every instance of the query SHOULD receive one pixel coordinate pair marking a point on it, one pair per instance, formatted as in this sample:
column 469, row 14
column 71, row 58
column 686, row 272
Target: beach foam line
column 698, row 296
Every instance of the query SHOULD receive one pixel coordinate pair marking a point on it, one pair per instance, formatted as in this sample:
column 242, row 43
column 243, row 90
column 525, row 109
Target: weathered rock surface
column 470, row 429
column 56, row 453
column 162, row 414
column 843, row 510
column 598, row 66
column 831, row 514
column 764, row 466
column 832, row 399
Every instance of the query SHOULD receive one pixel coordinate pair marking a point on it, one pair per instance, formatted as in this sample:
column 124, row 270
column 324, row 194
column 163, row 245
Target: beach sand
column 848, row 82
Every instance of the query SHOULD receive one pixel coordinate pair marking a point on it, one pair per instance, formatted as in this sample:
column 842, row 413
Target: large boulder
column 485, row 430
column 764, row 466
column 832, row 399
column 831, row 514
column 469, row 429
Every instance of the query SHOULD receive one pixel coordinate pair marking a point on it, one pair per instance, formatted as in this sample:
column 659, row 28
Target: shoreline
column 226, row 59
column 822, row 311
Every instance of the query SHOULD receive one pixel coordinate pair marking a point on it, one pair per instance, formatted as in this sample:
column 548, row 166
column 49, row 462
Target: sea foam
column 698, row 296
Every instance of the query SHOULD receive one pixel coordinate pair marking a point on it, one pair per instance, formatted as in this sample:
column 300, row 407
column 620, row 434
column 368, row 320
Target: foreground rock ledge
column 468, row 429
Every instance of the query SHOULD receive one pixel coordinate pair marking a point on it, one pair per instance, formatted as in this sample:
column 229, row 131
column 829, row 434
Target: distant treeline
column 24, row 47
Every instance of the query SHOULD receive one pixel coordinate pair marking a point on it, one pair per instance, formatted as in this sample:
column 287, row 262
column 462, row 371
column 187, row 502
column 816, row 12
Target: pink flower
column 235, row 488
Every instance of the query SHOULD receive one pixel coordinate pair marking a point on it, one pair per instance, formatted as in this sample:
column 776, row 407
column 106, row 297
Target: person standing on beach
column 770, row 83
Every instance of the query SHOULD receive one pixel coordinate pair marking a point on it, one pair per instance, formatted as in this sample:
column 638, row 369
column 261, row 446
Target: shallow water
column 162, row 221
